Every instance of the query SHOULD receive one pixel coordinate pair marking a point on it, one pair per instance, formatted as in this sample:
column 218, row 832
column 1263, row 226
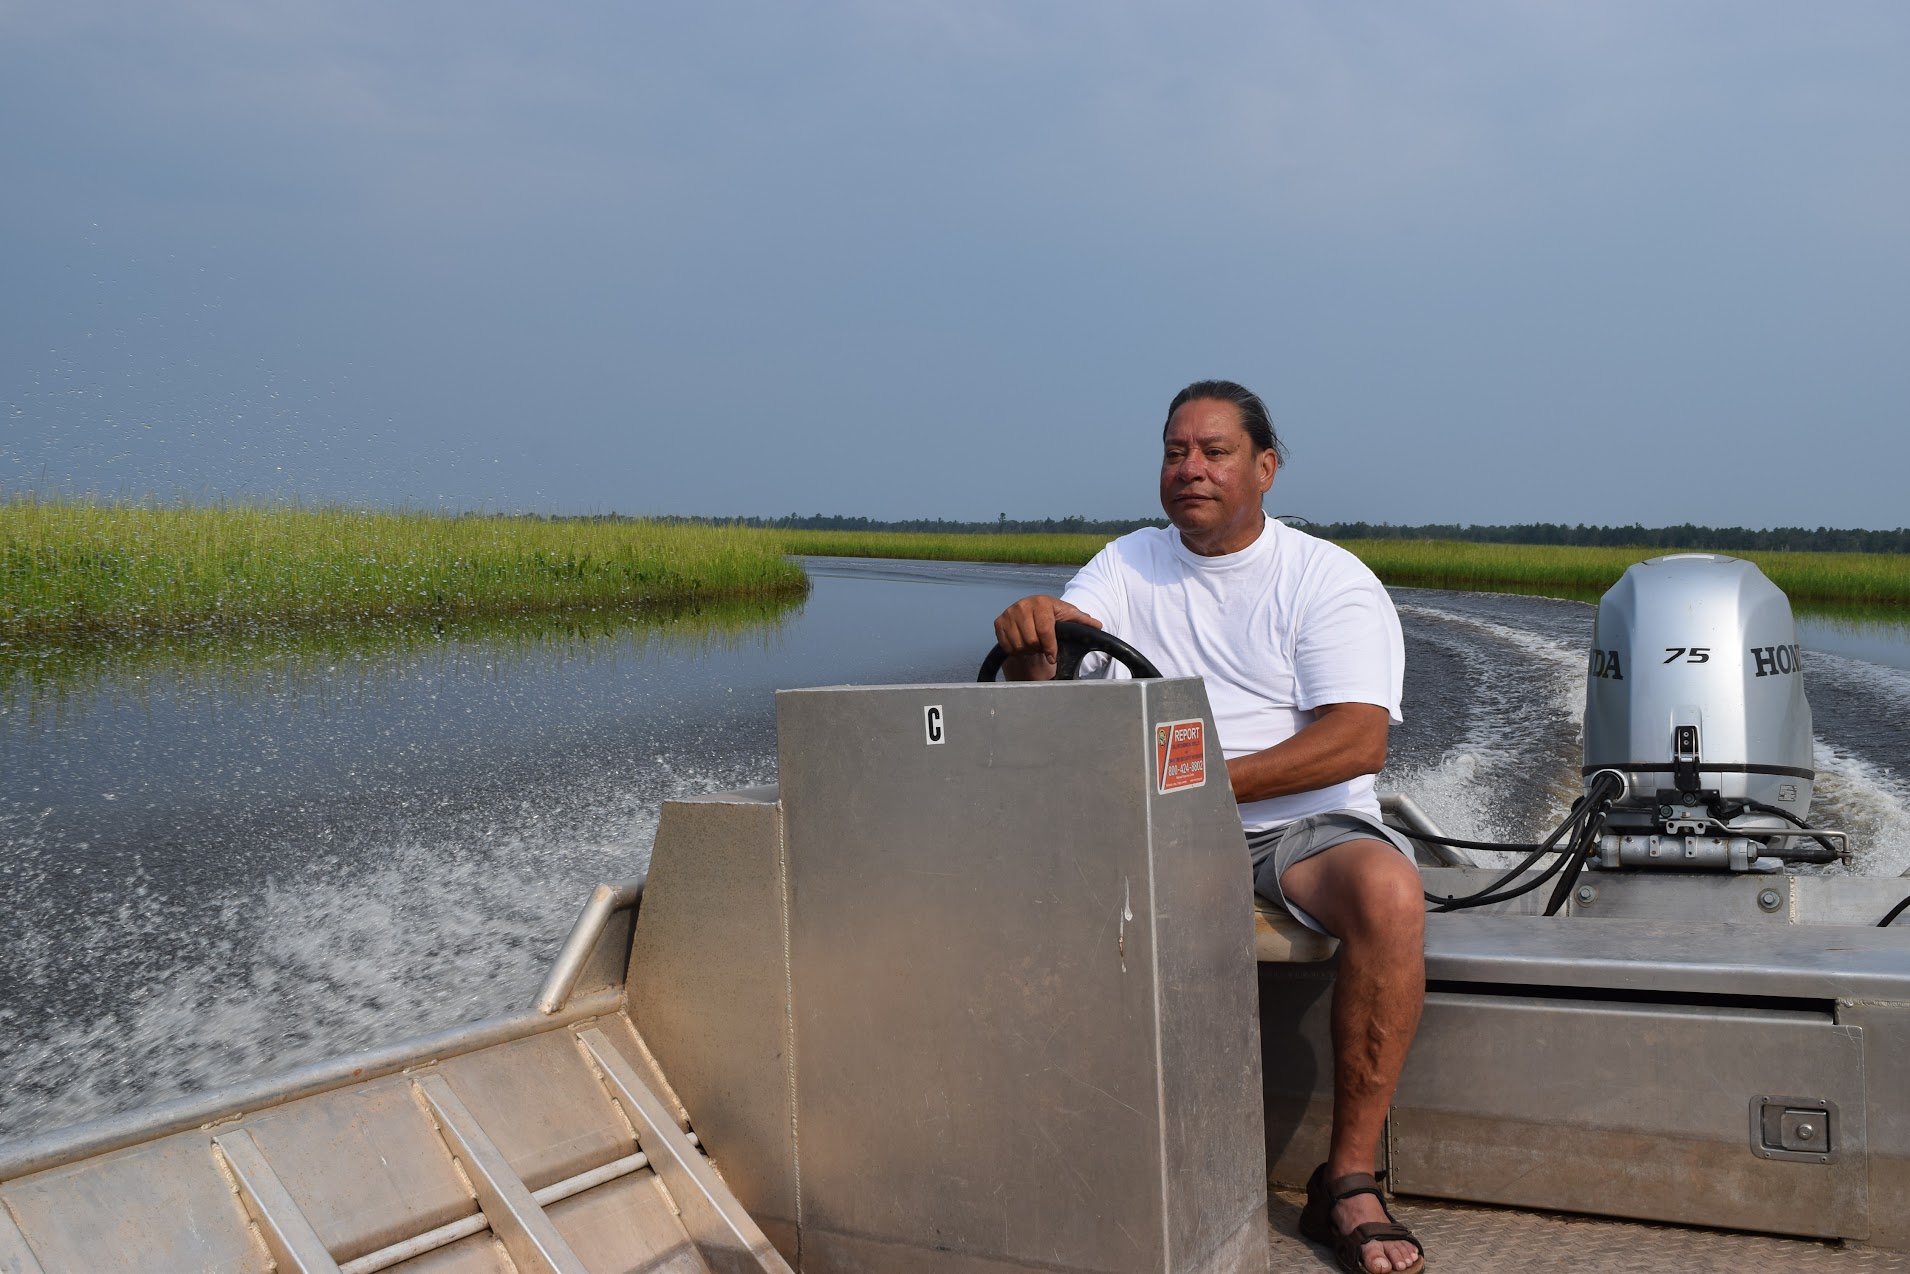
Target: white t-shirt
column 1287, row 624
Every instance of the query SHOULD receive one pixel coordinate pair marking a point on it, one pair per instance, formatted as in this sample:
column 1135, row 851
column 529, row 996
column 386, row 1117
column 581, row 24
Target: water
column 220, row 868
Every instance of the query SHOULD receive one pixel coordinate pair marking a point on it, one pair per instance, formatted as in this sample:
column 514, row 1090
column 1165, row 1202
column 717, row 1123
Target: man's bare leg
column 1368, row 895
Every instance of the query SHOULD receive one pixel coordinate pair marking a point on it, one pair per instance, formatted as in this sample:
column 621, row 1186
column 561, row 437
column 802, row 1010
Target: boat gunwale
column 41, row 1152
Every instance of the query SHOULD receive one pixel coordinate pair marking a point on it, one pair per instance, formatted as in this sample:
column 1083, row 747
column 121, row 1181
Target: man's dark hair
column 1253, row 413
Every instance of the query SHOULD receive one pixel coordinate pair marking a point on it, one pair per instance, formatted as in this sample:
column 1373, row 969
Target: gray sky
column 1594, row 262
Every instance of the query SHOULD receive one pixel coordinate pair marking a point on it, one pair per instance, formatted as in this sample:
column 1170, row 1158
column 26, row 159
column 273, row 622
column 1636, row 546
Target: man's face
column 1211, row 477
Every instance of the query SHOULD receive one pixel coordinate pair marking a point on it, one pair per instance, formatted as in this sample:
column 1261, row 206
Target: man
column 1303, row 659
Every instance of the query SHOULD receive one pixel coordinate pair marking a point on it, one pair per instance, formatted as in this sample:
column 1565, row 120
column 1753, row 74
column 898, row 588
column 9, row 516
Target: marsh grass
column 75, row 569
column 1041, row 550
column 1855, row 583
column 78, row 569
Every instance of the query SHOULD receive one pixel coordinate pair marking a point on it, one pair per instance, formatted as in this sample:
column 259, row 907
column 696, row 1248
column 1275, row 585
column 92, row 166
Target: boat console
column 973, row 991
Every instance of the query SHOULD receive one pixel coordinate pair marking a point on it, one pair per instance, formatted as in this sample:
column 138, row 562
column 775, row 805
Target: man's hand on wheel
column 1026, row 633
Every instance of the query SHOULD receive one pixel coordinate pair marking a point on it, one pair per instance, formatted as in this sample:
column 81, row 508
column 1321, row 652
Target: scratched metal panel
column 364, row 1165
column 162, row 1206
column 543, row 1106
column 1632, row 1110
column 967, row 989
column 977, row 989
column 1886, row 1029
column 1210, row 1027
column 479, row 1254
column 627, row 1227
column 709, row 991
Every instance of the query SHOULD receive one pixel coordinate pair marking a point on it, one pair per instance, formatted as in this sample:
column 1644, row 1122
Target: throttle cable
column 1585, row 822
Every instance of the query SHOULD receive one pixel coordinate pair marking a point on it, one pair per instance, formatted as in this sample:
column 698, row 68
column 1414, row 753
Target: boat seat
column 1280, row 939
column 1804, row 962
column 1794, row 961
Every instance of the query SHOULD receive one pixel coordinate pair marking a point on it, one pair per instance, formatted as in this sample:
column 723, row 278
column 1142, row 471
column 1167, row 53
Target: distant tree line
column 1003, row 525
column 1686, row 536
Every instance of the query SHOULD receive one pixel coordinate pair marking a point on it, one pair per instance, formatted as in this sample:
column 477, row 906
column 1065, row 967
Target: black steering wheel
column 1073, row 640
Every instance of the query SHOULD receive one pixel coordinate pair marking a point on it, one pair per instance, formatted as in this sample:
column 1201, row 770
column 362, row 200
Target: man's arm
column 1026, row 632
column 1343, row 741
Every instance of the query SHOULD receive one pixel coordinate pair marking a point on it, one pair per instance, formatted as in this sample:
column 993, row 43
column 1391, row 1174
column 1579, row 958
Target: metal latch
column 1684, row 757
column 1798, row 1128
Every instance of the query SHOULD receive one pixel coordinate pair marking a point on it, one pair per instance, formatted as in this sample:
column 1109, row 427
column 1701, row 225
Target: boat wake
column 136, row 995
column 1869, row 801
column 1512, row 771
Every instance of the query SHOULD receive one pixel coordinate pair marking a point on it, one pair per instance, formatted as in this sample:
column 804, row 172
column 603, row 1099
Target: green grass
column 72, row 569
column 1046, row 550
column 1860, row 582
column 77, row 569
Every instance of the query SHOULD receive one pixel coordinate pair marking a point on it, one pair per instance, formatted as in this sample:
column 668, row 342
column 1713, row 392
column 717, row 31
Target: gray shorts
column 1278, row 848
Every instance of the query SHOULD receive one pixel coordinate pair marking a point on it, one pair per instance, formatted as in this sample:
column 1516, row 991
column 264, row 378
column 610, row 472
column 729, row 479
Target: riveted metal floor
column 1463, row 1239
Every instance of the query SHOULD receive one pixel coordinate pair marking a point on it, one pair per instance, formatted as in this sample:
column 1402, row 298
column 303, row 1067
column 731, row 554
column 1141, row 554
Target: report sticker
column 1180, row 754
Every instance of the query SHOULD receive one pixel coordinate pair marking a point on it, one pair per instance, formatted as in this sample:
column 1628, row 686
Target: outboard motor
column 1695, row 699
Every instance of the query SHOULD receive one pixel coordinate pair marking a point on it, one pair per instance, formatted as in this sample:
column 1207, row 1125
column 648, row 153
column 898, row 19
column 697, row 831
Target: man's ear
column 1272, row 462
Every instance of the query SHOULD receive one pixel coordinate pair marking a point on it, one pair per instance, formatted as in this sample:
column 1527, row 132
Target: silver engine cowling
column 1695, row 695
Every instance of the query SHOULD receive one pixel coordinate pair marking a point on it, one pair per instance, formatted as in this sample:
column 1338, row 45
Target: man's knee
column 1360, row 887
column 1386, row 891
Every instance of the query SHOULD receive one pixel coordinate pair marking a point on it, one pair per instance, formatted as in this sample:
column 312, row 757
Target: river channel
column 217, row 869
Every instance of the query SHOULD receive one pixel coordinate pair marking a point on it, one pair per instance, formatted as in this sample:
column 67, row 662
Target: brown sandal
column 1316, row 1221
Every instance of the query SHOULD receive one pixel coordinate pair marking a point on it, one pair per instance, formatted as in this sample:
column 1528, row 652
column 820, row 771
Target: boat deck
column 1466, row 1239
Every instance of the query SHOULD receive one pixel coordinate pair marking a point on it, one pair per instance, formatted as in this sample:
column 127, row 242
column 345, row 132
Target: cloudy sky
column 1596, row 262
